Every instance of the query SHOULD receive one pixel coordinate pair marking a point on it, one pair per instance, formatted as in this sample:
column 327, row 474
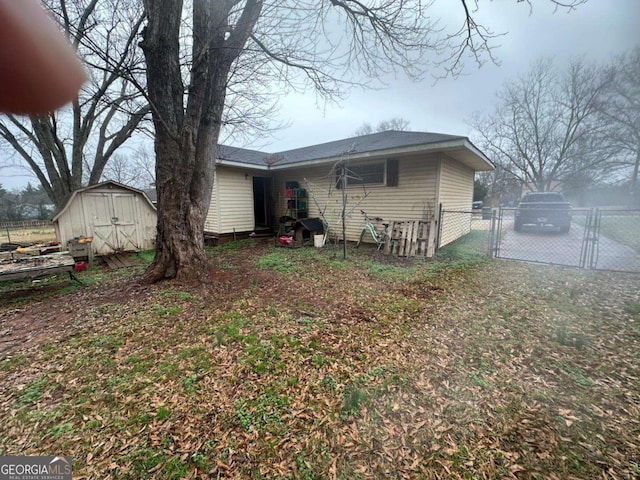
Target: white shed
column 118, row 217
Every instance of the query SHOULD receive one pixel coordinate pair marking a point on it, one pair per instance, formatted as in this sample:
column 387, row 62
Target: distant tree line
column 30, row 203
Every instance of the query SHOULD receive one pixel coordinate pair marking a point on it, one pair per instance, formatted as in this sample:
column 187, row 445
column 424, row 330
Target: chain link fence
column 463, row 234
column 26, row 232
column 591, row 238
column 546, row 236
column 615, row 235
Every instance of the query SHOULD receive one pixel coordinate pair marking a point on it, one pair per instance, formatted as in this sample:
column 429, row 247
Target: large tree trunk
column 181, row 214
column 186, row 138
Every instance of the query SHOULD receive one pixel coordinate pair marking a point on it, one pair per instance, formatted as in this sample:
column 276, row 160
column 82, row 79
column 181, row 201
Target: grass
column 355, row 398
column 616, row 226
column 622, row 229
column 474, row 246
column 44, row 288
column 304, row 365
column 280, row 261
column 28, row 235
column 16, row 292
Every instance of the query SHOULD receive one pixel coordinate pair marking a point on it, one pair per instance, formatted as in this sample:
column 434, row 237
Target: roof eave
column 235, row 163
column 482, row 163
column 488, row 163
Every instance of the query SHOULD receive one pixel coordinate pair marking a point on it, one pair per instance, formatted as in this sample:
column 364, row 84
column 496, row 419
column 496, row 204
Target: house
column 395, row 175
column 118, row 217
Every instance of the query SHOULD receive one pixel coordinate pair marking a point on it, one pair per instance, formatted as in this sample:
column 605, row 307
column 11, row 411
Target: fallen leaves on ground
column 333, row 369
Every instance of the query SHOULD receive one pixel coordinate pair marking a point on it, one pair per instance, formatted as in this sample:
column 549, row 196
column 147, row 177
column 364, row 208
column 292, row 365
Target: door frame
column 262, row 204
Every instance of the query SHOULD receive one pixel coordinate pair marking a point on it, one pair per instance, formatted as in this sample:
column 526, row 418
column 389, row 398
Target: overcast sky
column 598, row 30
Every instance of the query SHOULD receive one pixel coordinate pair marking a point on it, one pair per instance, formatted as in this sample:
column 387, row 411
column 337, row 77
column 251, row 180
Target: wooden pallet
column 119, row 260
column 411, row 238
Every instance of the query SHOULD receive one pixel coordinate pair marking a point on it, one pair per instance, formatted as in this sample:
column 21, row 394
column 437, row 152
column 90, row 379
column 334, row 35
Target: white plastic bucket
column 318, row 241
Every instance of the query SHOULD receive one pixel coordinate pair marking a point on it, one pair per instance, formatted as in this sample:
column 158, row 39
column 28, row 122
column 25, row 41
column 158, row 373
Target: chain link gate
column 597, row 239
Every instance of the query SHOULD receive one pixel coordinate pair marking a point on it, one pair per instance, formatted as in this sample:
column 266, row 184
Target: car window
column 543, row 197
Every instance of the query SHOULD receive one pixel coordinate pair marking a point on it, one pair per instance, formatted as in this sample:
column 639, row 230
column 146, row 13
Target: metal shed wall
column 119, row 218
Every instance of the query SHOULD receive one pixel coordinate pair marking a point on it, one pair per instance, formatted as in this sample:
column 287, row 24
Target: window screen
column 370, row 174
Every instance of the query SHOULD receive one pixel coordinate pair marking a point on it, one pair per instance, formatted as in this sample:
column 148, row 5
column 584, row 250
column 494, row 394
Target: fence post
column 431, row 242
column 492, row 232
column 589, row 240
column 438, row 228
column 593, row 260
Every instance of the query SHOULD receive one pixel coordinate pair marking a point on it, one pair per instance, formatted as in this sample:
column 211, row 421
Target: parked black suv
column 543, row 210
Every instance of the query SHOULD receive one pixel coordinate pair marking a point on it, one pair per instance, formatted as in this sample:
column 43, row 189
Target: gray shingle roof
column 152, row 194
column 241, row 155
column 363, row 144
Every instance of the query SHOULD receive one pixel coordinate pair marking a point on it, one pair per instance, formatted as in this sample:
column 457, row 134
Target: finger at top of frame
column 39, row 70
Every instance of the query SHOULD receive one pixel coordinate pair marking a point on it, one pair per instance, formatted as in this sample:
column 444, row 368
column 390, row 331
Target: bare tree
column 59, row 147
column 136, row 169
column 621, row 111
column 501, row 187
column 545, row 129
column 395, row 123
column 329, row 45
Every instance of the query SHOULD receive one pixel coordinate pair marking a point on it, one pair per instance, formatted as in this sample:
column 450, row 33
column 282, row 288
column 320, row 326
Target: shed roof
column 100, row 185
column 365, row 146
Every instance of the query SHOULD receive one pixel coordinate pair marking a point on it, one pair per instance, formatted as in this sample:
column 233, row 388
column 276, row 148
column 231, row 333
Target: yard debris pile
column 27, row 248
column 31, row 267
column 13, row 263
column 30, row 260
column 298, row 365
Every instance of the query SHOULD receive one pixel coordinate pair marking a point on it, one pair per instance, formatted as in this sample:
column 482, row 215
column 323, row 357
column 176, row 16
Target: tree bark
column 186, row 138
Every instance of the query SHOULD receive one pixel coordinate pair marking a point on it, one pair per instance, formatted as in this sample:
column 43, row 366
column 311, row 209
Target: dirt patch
column 45, row 314
column 43, row 320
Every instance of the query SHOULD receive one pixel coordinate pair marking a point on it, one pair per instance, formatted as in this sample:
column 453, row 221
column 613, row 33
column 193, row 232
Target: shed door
column 99, row 212
column 113, row 219
column 124, row 212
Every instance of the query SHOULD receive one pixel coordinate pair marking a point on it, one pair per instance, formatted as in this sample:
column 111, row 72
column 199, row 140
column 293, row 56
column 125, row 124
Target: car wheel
column 565, row 228
column 517, row 226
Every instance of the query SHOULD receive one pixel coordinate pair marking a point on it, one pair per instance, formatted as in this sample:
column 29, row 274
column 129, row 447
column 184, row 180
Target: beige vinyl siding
column 234, row 201
column 456, row 194
column 413, row 198
column 212, row 220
